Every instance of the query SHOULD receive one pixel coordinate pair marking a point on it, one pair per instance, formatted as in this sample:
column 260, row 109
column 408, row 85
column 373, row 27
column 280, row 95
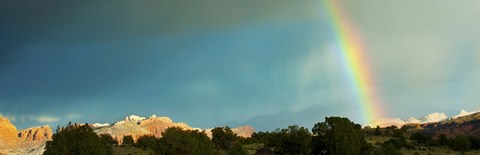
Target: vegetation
column 175, row 140
column 128, row 140
column 223, row 137
column 76, row 139
column 336, row 135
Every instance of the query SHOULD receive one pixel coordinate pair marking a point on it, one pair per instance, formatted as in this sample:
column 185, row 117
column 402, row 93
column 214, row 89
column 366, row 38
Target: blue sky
column 208, row 63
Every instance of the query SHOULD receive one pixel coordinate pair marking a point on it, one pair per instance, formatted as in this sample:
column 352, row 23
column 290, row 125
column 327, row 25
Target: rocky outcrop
column 118, row 131
column 243, row 131
column 41, row 133
column 157, row 125
column 385, row 122
column 8, row 132
column 137, row 126
column 10, row 143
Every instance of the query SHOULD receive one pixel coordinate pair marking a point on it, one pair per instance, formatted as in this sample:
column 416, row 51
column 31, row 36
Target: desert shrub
column 107, row 139
column 460, row 143
column 128, row 140
column 421, row 138
column 148, row 142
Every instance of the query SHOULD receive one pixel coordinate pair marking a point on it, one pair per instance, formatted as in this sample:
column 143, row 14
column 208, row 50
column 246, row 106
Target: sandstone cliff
column 10, row 143
column 41, row 133
column 8, row 132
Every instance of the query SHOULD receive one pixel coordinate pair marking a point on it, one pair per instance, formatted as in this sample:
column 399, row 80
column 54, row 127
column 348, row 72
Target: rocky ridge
column 40, row 133
column 137, row 126
column 430, row 118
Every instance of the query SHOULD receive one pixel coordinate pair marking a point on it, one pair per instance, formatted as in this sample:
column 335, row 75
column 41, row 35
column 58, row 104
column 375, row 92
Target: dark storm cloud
column 78, row 20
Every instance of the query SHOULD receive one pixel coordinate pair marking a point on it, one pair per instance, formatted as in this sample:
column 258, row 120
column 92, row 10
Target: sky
column 209, row 63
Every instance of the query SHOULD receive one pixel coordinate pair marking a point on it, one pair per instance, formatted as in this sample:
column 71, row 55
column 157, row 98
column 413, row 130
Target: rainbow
column 354, row 60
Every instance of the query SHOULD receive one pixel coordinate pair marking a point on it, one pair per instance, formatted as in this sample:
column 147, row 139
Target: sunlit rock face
column 386, row 122
column 40, row 133
column 434, row 117
column 242, row 131
column 137, row 126
column 8, row 132
column 10, row 143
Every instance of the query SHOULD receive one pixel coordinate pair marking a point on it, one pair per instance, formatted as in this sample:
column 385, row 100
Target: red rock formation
column 41, row 133
column 8, row 132
column 157, row 125
column 244, row 131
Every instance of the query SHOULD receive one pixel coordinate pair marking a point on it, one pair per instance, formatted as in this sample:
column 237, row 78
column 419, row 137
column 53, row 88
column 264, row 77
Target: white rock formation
column 434, row 117
column 98, row 125
column 386, row 122
column 131, row 119
column 412, row 120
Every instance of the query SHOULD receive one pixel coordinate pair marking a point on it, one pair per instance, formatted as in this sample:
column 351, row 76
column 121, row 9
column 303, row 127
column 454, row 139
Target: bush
column 223, row 137
column 377, row 131
column 421, row 138
column 460, row 143
column 107, row 139
column 292, row 140
column 148, row 142
column 237, row 149
column 76, row 139
column 175, row 141
column 128, row 140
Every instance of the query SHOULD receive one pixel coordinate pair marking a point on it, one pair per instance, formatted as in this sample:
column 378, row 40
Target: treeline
column 422, row 141
column 335, row 136
column 457, row 143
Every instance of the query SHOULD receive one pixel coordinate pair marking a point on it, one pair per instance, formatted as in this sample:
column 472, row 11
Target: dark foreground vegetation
column 334, row 136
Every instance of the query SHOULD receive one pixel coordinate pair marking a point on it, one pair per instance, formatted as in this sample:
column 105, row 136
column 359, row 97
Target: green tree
column 421, row 138
column 107, row 139
column 76, row 139
column 475, row 142
column 148, row 142
column 460, row 143
column 339, row 136
column 128, row 140
column 223, row 137
column 292, row 140
column 443, row 140
column 176, row 141
column 237, row 149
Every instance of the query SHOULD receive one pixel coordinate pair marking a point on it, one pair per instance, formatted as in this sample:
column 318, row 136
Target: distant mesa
column 385, row 122
column 137, row 126
column 430, row 118
column 464, row 113
column 434, row 117
column 467, row 125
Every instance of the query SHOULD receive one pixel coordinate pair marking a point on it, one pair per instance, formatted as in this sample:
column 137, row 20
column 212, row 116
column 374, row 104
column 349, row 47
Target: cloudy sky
column 209, row 63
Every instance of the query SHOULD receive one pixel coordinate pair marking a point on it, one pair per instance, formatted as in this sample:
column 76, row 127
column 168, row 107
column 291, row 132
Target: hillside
column 464, row 125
